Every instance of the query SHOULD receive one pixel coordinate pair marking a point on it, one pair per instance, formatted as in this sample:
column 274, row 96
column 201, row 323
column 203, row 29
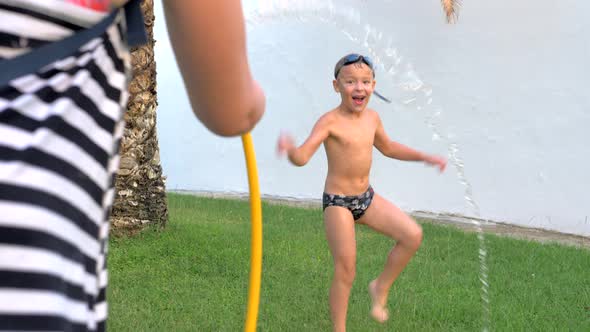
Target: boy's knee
column 346, row 272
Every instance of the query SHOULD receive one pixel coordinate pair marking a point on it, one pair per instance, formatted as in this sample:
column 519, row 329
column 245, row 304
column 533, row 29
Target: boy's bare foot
column 378, row 310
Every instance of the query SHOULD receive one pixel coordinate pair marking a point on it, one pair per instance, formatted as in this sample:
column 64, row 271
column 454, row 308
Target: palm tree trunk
column 140, row 196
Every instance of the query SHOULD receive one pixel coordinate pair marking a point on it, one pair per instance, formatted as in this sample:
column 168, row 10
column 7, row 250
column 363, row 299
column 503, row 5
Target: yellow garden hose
column 256, row 237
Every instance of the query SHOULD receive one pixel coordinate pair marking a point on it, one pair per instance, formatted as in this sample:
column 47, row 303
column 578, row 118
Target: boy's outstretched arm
column 399, row 151
column 299, row 156
column 209, row 41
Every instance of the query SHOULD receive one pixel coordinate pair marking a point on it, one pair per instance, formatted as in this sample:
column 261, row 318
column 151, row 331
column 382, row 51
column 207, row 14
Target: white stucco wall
column 509, row 83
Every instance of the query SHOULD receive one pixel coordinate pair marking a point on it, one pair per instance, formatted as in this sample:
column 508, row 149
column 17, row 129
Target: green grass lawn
column 193, row 276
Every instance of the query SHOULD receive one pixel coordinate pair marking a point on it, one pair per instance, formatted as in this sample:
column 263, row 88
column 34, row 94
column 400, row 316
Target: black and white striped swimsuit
column 60, row 129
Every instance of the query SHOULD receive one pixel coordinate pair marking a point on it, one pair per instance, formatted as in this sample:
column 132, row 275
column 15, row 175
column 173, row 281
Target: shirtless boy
column 349, row 133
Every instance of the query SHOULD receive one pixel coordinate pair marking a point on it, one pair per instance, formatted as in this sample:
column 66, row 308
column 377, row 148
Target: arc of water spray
column 450, row 8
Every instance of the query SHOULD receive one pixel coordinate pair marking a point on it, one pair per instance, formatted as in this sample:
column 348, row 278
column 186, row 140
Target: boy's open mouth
column 358, row 100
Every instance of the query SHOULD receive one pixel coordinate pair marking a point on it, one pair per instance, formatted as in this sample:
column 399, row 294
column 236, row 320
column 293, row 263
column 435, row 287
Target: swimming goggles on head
column 354, row 58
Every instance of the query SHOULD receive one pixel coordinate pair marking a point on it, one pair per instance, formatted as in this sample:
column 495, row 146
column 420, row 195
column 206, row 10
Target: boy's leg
column 386, row 218
column 340, row 233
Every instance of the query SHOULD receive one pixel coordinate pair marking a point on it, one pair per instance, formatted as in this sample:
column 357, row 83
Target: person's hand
column 436, row 161
column 285, row 144
column 451, row 9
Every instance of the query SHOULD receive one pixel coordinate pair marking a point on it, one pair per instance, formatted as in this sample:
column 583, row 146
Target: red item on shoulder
column 97, row 5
